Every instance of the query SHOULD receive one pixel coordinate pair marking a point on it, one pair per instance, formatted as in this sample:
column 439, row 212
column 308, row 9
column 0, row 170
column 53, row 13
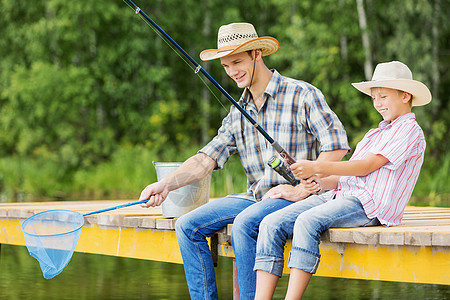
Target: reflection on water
column 91, row 276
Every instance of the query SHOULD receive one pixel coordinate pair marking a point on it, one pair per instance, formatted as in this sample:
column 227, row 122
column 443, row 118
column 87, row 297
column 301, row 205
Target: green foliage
column 127, row 172
column 26, row 179
column 230, row 180
column 88, row 90
column 130, row 169
column 44, row 109
column 432, row 187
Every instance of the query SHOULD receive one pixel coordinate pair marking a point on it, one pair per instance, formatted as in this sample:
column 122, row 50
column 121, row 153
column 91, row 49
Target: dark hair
column 250, row 52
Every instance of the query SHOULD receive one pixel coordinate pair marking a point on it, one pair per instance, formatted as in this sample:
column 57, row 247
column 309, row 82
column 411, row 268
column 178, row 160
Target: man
column 294, row 113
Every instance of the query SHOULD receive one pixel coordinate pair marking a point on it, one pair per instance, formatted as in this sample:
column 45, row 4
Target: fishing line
column 288, row 160
column 195, row 70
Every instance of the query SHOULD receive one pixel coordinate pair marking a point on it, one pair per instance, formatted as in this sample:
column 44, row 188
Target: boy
column 372, row 188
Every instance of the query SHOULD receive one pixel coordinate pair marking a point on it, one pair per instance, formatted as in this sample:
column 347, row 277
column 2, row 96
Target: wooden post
column 215, row 249
column 236, row 293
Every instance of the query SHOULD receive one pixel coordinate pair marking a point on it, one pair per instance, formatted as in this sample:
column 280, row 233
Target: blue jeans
column 193, row 228
column 305, row 221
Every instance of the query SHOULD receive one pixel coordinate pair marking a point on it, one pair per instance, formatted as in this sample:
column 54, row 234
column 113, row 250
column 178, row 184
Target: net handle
column 115, row 207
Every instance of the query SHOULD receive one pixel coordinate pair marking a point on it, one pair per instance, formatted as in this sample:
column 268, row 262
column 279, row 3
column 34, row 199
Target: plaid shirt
column 385, row 192
column 295, row 114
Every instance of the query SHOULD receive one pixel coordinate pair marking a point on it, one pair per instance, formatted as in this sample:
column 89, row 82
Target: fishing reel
column 279, row 167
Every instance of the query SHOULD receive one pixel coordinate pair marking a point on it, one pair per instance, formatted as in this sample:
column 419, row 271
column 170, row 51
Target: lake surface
column 90, row 276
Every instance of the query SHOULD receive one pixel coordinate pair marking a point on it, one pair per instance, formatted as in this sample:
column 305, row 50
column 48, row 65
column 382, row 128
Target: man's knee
column 182, row 225
column 245, row 226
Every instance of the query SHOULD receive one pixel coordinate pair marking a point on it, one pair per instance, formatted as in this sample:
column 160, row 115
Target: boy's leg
column 342, row 212
column 298, row 281
column 192, row 230
column 266, row 284
column 275, row 229
column 243, row 238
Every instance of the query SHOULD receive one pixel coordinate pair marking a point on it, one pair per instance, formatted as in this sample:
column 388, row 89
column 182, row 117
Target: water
column 89, row 276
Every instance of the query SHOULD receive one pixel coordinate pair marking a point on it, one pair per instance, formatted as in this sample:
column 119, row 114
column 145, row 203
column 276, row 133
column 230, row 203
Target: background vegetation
column 90, row 95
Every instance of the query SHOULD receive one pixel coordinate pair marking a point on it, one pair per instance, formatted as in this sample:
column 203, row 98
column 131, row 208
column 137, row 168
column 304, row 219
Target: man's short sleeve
column 323, row 122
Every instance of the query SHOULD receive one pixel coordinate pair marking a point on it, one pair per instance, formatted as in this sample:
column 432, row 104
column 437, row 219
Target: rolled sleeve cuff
column 219, row 155
column 334, row 139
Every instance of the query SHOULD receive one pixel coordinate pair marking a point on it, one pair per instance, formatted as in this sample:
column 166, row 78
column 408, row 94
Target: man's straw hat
column 396, row 75
column 239, row 37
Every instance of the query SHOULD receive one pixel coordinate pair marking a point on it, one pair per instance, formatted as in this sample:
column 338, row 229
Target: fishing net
column 51, row 237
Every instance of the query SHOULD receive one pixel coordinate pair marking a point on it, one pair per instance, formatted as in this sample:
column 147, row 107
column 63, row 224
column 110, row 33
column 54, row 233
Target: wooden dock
column 416, row 251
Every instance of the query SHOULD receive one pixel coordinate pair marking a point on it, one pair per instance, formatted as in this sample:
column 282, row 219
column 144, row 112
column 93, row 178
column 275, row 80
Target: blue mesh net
column 51, row 237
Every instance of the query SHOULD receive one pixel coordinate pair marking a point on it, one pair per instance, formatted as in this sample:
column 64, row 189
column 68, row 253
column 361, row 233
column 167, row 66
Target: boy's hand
column 303, row 169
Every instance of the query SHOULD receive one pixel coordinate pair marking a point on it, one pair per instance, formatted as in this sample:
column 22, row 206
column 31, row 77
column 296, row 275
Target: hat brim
column 421, row 93
column 267, row 44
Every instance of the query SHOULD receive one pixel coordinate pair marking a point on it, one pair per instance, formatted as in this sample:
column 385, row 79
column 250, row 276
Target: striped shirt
column 295, row 114
column 385, row 192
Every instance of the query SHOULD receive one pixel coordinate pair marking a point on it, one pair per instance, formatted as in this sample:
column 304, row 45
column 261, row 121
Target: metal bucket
column 184, row 199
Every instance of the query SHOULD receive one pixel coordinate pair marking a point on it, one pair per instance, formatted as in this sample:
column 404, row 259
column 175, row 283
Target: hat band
column 227, row 48
column 384, row 78
column 236, row 36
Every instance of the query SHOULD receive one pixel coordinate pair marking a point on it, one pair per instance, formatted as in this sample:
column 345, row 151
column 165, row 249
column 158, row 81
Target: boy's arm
column 334, row 155
column 305, row 168
column 326, row 183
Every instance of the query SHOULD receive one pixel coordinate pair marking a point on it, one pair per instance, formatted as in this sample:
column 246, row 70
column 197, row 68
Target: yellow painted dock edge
column 148, row 244
column 418, row 264
column 424, row 264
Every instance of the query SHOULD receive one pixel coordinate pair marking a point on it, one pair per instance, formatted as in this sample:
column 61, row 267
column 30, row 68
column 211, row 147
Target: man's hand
column 156, row 193
column 314, row 184
column 192, row 170
column 293, row 193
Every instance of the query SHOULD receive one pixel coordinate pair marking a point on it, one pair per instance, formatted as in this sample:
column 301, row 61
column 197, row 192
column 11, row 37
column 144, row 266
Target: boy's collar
column 384, row 124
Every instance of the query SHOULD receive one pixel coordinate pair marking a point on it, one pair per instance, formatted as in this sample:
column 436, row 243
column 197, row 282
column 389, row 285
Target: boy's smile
column 390, row 103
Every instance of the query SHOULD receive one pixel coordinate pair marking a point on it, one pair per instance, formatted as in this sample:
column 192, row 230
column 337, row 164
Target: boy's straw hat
column 239, row 37
column 396, row 75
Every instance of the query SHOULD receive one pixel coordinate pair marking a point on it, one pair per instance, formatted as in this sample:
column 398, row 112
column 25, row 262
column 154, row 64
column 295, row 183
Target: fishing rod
column 282, row 152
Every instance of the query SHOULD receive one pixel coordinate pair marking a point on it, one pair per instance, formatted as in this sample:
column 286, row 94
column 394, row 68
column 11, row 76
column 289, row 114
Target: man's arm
column 306, row 168
column 192, row 170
